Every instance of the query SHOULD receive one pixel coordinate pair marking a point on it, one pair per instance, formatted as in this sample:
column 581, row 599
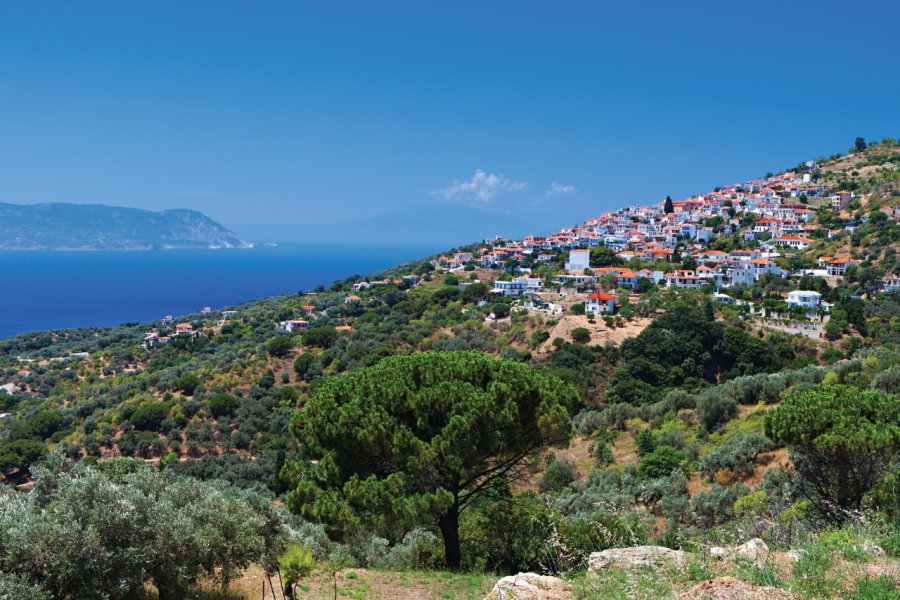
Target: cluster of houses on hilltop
column 780, row 219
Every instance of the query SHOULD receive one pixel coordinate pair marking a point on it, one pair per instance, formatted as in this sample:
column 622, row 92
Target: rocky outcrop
column 636, row 557
column 729, row 588
column 530, row 586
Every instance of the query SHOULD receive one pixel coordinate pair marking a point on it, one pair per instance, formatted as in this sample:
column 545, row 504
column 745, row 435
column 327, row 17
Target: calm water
column 55, row 290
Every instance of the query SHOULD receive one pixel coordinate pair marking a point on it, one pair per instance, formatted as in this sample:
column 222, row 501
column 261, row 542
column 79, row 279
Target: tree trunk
column 449, row 525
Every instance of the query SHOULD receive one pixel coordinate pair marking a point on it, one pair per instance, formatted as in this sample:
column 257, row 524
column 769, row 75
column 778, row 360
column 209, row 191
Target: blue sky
column 288, row 112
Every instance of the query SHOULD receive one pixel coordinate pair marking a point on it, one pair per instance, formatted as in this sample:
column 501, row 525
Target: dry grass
column 600, row 333
column 362, row 583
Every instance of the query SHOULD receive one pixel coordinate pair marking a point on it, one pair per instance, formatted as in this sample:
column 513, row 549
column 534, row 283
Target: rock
column 530, row 586
column 873, row 549
column 729, row 588
column 756, row 550
column 637, row 556
column 718, row 552
column 793, row 555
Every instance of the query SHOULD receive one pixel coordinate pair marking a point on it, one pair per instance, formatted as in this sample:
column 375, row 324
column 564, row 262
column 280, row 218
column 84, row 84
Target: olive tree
column 420, row 437
column 103, row 532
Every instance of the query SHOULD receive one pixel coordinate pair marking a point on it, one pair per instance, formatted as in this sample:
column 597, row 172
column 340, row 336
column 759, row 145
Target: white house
column 293, row 325
column 508, row 288
column 804, row 298
column 579, row 260
column 793, row 241
column 723, row 298
column 600, row 302
column 530, row 284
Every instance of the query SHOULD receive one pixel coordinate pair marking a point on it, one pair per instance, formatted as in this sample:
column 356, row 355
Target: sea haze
column 57, row 290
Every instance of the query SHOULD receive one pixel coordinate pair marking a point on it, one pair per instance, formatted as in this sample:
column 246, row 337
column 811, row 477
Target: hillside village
column 732, row 236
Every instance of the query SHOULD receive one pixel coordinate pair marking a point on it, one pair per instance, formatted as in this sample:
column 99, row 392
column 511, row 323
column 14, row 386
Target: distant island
column 59, row 226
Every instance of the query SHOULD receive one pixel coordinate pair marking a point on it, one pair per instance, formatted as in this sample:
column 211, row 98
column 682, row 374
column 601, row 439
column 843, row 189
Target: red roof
column 602, row 296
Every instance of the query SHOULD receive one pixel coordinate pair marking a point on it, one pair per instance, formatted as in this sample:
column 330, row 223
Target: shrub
column 419, row 549
column 221, row 404
column 322, row 337
column 588, row 421
column 888, row 381
column 715, row 410
column 149, row 416
column 659, row 463
column 280, row 346
column 191, row 407
column 296, row 563
column 187, row 383
column 581, row 335
column 307, row 367
column 558, row 475
column 716, row 506
column 113, row 529
column 618, row 414
column 20, row 587
column 19, row 454
column 737, row 454
column 645, row 442
column 603, row 454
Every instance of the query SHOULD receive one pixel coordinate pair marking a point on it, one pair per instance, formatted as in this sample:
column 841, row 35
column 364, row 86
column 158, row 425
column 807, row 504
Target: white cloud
column 558, row 189
column 482, row 187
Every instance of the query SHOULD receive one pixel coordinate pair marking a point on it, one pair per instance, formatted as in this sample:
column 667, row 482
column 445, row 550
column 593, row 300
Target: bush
column 716, row 506
column 581, row 335
column 307, row 367
column 419, row 549
column 645, row 442
column 618, row 414
column 558, row 475
column 19, row 587
column 280, row 346
column 888, row 381
column 221, row 404
column 187, row 383
column 321, row 337
column 715, row 410
column 737, row 454
column 296, row 563
column 149, row 416
column 659, row 463
column 19, row 454
column 117, row 526
column 588, row 421
column 603, row 454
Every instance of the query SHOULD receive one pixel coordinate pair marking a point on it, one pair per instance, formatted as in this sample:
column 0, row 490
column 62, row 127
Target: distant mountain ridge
column 60, row 226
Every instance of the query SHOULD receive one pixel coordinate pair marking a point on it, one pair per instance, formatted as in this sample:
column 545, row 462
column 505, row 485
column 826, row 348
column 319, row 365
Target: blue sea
column 57, row 290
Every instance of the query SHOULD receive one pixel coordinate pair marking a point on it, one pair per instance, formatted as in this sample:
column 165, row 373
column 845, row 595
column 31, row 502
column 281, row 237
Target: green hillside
column 402, row 423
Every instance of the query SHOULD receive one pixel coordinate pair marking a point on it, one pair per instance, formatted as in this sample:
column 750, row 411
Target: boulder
column 635, row 557
column 755, row 550
column 718, row 552
column 530, row 586
column 873, row 549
